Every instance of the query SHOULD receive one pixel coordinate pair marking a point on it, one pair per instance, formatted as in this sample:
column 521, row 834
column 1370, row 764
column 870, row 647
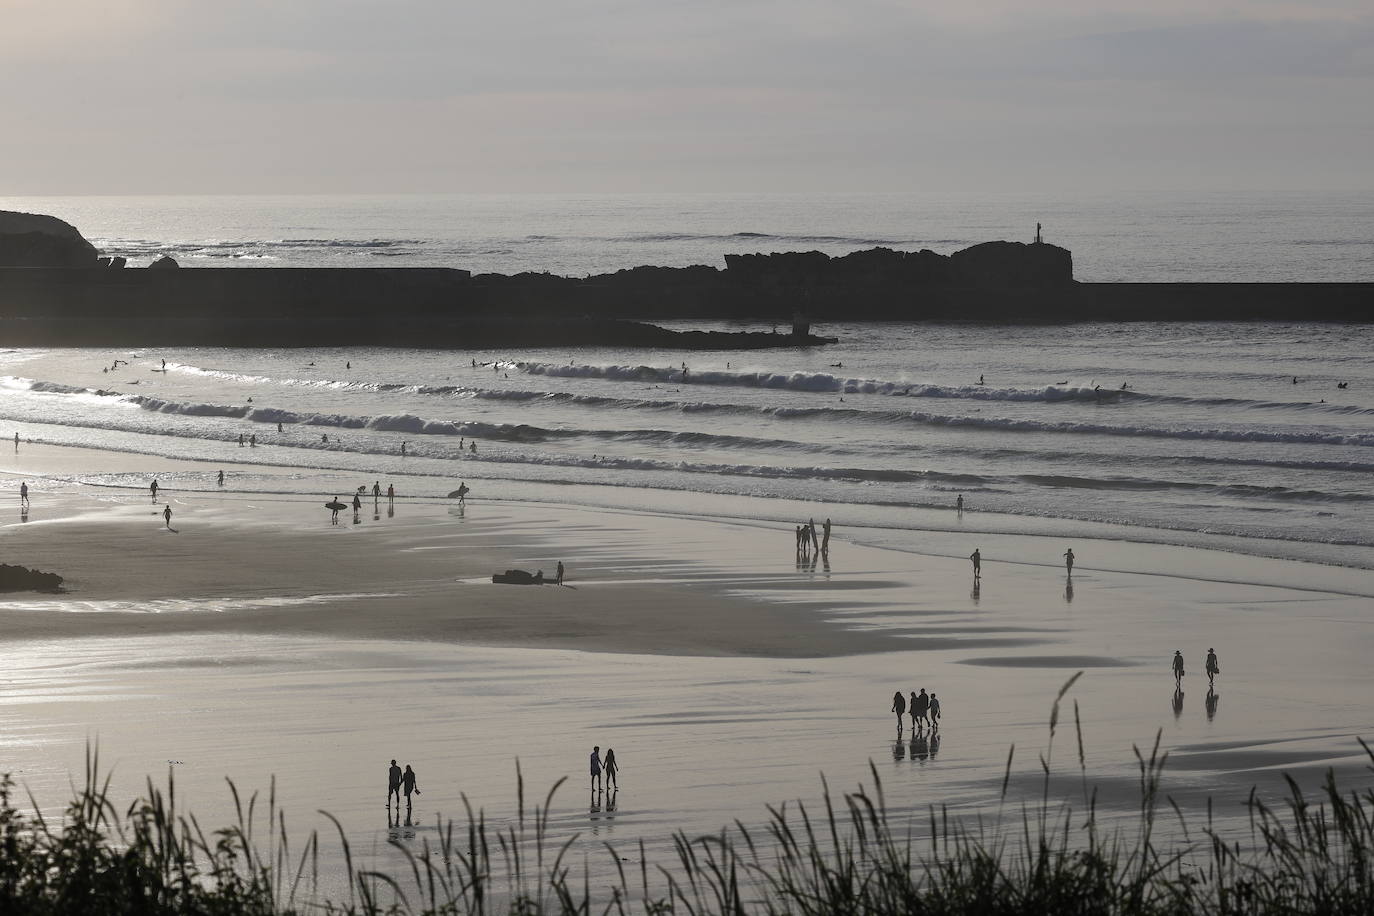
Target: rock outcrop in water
column 50, row 303
column 36, row 240
column 23, row 579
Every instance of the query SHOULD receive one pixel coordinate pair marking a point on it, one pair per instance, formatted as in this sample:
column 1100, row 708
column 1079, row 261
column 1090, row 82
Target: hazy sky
column 154, row 96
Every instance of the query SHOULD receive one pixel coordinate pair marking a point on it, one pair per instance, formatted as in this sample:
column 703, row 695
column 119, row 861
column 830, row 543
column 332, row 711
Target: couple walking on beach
column 398, row 781
column 608, row 766
column 925, row 710
column 1212, row 667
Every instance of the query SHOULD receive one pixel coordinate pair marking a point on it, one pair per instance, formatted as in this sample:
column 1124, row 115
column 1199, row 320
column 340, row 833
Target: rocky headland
column 56, row 289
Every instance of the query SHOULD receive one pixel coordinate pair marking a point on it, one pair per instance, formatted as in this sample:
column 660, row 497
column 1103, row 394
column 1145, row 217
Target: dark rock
column 102, row 262
column 23, row 579
column 1013, row 265
column 37, row 240
column 164, row 263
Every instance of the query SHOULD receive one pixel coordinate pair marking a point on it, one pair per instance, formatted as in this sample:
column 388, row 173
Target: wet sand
column 258, row 640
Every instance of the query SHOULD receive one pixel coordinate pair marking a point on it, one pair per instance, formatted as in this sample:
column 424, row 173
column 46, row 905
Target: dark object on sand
column 518, row 577
column 335, row 505
column 23, row 579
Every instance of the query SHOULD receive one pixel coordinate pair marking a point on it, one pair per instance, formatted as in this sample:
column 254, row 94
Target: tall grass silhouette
column 1305, row 856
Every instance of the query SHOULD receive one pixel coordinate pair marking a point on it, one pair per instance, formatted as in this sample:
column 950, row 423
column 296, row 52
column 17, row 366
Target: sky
column 381, row 96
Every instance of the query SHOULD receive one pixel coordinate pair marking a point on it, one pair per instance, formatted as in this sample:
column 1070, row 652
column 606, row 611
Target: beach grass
column 1305, row 855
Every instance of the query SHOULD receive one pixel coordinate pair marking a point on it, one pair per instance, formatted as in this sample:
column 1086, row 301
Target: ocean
column 1234, row 436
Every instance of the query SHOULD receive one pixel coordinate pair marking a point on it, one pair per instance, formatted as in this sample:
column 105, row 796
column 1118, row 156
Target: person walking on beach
column 912, row 708
column 934, row 711
column 462, row 493
column 920, row 709
column 376, row 490
column 596, row 767
column 408, row 784
column 390, row 491
column 959, row 505
column 1068, row 560
column 825, row 537
column 1178, row 667
column 334, row 507
column 977, row 559
column 153, row 489
column 611, row 768
column 16, row 442
column 559, row 581
column 253, row 441
column 167, row 516
column 899, row 707
column 1213, row 669
column 393, row 784
column 240, row 440
column 403, row 449
column 23, row 493
column 811, row 527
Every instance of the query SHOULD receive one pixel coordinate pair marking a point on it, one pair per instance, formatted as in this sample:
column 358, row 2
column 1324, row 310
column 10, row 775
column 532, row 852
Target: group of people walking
column 607, row 768
column 1211, row 666
column 807, row 540
column 398, row 781
column 977, row 559
column 925, row 709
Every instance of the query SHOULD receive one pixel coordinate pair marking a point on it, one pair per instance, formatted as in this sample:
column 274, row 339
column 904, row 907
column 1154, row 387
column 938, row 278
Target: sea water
column 1221, row 435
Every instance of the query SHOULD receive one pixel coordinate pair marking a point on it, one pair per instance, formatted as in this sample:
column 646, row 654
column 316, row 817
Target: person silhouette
column 23, row 493
column 825, row 537
column 559, row 581
column 409, row 784
column 1068, row 560
column 977, row 558
column 1213, row 669
column 462, row 492
column 167, row 516
column 1178, row 667
column 899, row 707
column 376, row 490
column 911, row 707
column 357, row 503
column 920, row 708
column 153, row 488
column 220, row 478
column 393, row 784
column 334, row 508
column 595, row 764
column 959, row 504
column 934, row 711
column 611, row 768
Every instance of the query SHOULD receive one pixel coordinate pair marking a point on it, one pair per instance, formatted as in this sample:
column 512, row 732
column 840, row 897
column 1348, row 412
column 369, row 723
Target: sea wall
column 998, row 281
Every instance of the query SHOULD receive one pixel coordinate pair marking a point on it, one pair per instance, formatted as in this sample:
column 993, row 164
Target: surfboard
column 335, row 505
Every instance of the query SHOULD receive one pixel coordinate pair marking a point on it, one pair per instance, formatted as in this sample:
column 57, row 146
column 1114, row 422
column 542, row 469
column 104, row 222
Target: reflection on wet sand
column 1211, row 703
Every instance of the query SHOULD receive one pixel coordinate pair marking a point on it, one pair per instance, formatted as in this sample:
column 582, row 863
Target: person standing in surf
column 899, row 707
column 977, row 558
column 1068, row 560
column 611, row 768
column 595, row 763
column 393, row 784
column 167, row 516
column 153, row 489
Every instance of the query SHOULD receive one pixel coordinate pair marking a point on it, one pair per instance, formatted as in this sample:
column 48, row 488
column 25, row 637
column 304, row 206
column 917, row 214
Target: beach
column 258, row 641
